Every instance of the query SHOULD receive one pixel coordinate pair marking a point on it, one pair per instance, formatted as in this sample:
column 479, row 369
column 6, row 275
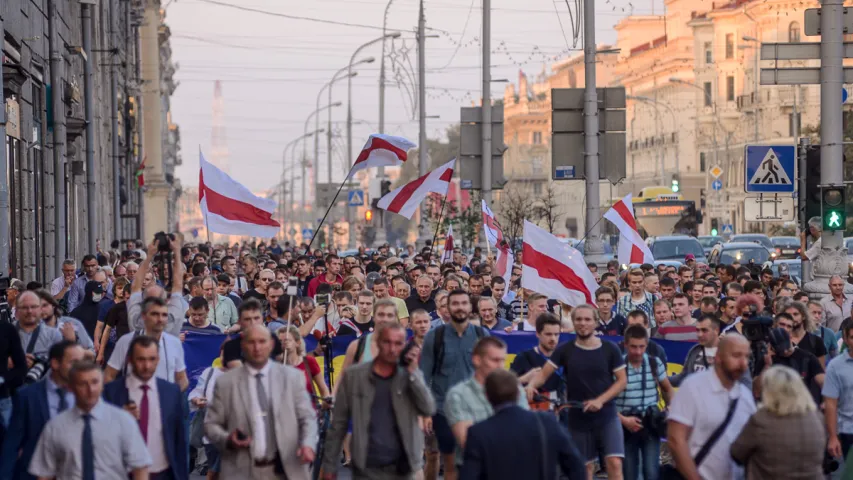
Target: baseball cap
column 393, row 261
column 689, row 257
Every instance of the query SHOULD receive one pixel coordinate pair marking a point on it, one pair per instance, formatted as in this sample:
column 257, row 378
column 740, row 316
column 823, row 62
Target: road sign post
column 769, row 168
column 355, row 198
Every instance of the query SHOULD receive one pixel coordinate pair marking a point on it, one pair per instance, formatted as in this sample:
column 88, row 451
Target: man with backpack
column 529, row 362
column 444, row 363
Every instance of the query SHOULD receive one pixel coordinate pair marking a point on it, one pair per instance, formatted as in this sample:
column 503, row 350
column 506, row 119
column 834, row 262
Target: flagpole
column 438, row 227
column 331, row 204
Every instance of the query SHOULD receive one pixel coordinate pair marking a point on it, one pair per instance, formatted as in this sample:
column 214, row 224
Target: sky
column 272, row 68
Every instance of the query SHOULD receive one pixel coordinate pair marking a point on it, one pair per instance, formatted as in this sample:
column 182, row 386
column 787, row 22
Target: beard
column 459, row 318
column 584, row 336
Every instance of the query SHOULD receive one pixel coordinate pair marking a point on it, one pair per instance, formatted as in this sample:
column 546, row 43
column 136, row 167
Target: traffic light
column 833, row 212
column 675, row 185
column 812, row 174
column 715, row 227
column 368, row 216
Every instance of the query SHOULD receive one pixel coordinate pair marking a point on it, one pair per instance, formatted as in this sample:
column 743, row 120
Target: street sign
column 717, row 185
column 843, row 95
column 769, row 168
column 716, row 171
column 307, row 233
column 355, row 198
column 564, row 172
column 767, row 208
column 292, row 231
column 728, row 230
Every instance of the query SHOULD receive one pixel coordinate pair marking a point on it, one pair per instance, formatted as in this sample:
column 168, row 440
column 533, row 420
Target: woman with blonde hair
column 294, row 348
column 785, row 438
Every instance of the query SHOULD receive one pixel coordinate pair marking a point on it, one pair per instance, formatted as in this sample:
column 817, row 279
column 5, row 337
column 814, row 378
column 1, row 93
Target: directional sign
column 728, row 229
column 716, row 171
column 355, row 198
column 769, row 168
column 307, row 233
column 717, row 185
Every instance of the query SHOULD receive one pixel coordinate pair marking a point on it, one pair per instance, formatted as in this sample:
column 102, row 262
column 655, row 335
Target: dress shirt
column 156, row 444
column 53, row 399
column 259, row 421
column 57, row 285
column 176, row 305
column 204, row 388
column 171, row 356
column 115, row 434
column 222, row 313
column 835, row 314
column 838, row 384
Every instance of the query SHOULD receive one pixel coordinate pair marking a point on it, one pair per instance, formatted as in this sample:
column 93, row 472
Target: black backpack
column 438, row 346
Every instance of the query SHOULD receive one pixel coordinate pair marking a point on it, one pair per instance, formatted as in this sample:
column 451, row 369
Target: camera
column 757, row 329
column 653, row 419
column 35, row 373
column 829, row 464
column 163, row 241
column 322, row 299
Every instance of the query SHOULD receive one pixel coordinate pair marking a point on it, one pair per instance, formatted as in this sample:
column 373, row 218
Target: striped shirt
column 672, row 330
column 641, row 390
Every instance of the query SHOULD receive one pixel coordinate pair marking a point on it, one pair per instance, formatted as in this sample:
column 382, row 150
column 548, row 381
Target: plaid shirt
column 625, row 306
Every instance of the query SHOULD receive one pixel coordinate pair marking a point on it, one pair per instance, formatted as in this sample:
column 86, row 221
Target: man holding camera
column 782, row 351
column 176, row 305
column 36, row 337
column 362, row 322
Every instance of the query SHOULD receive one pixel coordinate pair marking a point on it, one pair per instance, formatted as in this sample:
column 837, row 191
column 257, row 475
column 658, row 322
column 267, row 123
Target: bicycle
column 324, row 408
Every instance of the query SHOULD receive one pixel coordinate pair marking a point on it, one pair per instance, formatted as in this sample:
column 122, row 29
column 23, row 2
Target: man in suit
column 157, row 405
column 515, row 443
column 33, row 406
column 261, row 418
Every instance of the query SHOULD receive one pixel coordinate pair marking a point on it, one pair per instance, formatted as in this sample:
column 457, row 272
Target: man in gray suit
column 261, row 418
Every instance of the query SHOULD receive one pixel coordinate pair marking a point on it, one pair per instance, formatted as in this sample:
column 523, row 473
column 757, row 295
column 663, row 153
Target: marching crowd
column 95, row 383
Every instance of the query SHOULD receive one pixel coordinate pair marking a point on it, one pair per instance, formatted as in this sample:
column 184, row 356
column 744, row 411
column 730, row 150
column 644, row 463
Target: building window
column 709, row 53
column 537, row 188
column 709, row 94
column 794, row 32
column 730, row 89
column 701, row 161
column 730, row 46
column 537, row 138
column 536, row 165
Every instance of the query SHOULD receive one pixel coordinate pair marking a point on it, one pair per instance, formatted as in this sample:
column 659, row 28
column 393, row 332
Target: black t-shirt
column 805, row 363
column 363, row 328
column 588, row 374
column 234, row 351
column 117, row 318
column 615, row 327
column 530, row 359
column 256, row 295
column 813, row 344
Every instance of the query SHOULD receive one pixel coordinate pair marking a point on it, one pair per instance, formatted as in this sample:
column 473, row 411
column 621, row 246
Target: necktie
column 263, row 400
column 143, row 413
column 88, row 449
column 264, row 403
column 63, row 402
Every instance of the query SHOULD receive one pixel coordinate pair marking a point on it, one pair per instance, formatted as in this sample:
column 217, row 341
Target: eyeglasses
column 267, row 279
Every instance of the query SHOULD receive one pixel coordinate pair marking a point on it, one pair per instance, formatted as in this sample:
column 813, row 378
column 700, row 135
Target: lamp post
column 305, row 147
column 290, row 145
column 756, row 79
column 337, row 76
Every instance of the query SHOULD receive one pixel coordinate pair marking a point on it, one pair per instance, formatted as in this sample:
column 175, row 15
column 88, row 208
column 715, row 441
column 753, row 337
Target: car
column 708, row 242
column 600, row 260
column 676, row 247
column 759, row 238
column 786, row 247
column 744, row 253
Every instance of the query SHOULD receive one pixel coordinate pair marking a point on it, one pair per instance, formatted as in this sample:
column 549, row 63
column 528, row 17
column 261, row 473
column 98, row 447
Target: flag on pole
column 447, row 256
column 553, row 268
column 230, row 208
column 503, row 262
column 494, row 232
column 406, row 199
column 632, row 248
column 382, row 151
column 140, row 173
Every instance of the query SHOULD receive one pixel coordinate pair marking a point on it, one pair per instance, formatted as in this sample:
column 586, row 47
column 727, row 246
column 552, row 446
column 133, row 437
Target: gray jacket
column 411, row 399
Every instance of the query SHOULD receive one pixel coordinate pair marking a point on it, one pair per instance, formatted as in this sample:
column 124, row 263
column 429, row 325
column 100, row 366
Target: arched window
column 794, row 32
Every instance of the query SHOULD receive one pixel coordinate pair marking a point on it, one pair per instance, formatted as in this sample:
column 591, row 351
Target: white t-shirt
column 171, row 356
column 701, row 404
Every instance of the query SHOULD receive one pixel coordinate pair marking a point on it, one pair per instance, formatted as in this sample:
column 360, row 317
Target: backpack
column 361, row 343
column 438, row 346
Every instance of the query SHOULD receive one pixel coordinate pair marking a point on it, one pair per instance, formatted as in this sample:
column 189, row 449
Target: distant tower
column 218, row 142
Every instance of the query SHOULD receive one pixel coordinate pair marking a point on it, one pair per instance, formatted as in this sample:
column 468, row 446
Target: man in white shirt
column 705, row 401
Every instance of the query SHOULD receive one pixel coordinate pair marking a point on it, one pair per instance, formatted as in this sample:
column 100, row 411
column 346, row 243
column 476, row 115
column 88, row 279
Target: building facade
column 73, row 139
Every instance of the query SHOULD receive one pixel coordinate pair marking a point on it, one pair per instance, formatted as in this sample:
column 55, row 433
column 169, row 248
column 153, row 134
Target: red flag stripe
column 549, row 268
column 623, row 212
column 379, row 144
column 405, row 194
column 636, row 254
column 231, row 209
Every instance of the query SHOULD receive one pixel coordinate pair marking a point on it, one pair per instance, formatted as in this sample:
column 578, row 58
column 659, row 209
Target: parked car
column 676, row 247
column 744, row 253
column 708, row 242
column 786, row 247
column 759, row 238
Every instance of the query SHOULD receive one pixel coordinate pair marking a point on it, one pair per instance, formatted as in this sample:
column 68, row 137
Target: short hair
column 501, row 387
column 82, row 366
column 250, row 305
column 69, row 262
column 713, row 319
column 150, row 302
column 343, row 295
column 544, row 320
column 88, row 258
column 386, row 302
column 536, row 297
column 637, row 332
column 456, row 293
column 585, row 306
column 683, row 269
column 223, row 278
column 709, row 302
column 725, row 301
column 682, row 296
column 366, row 293
column 419, row 311
column 198, row 269
column 143, row 341
column 194, row 282
column 486, row 342
column 783, row 393
column 636, row 272
column 734, row 286
column 330, row 257
column 57, row 351
column 846, row 327
column 605, row 290
column 498, row 280
column 752, row 285
column 199, row 302
column 641, row 314
column 667, row 282
column 275, row 286
column 486, row 298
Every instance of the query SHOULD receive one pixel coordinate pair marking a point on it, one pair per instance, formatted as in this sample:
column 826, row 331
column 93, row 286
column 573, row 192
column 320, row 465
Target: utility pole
column 88, row 94
column 487, row 104
column 424, row 233
column 4, row 185
column 117, row 234
column 593, row 245
column 831, row 85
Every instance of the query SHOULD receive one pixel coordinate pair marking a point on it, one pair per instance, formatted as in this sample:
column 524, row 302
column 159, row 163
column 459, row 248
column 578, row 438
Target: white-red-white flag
column 504, row 261
column 632, row 248
column 406, row 199
column 447, row 256
column 230, row 208
column 382, row 151
column 494, row 232
column 553, row 268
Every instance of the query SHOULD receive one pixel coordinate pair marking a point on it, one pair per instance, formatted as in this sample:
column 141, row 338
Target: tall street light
column 284, row 168
column 305, row 146
column 336, row 77
column 349, row 76
column 756, row 77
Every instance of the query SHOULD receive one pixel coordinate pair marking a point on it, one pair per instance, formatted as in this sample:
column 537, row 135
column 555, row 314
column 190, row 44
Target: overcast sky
column 272, row 68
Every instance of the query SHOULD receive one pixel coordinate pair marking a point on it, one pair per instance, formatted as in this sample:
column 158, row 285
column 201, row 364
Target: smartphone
column 292, row 286
column 322, row 299
column 241, row 436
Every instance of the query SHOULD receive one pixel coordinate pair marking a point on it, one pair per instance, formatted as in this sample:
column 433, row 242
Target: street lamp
column 756, row 77
column 284, row 170
column 305, row 145
column 349, row 76
column 337, row 76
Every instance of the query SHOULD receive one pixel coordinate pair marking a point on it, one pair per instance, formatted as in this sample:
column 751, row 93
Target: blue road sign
column 844, row 95
column 770, row 168
column 717, row 185
column 356, row 198
column 728, row 229
column 564, row 173
column 307, row 233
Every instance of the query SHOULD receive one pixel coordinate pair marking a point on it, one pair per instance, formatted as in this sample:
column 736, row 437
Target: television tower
column 218, row 142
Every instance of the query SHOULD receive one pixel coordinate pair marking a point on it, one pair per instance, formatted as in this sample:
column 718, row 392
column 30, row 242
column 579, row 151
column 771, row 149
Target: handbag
column 197, row 423
column 670, row 472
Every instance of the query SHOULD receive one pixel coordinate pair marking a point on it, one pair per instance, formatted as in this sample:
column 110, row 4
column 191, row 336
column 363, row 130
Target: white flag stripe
column 550, row 247
column 219, row 224
column 629, row 237
column 433, row 183
column 218, row 181
column 531, row 280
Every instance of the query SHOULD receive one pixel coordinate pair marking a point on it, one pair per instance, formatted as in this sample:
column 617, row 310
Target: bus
column 660, row 211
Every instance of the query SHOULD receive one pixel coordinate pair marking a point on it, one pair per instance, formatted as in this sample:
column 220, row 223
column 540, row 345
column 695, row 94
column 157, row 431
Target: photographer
column 36, row 337
column 177, row 306
column 341, row 308
column 362, row 322
column 637, row 406
column 783, row 352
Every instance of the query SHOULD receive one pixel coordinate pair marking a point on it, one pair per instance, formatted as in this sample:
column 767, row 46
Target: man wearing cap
column 690, row 260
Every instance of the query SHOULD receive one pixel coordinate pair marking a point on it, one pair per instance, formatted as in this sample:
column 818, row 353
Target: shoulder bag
column 670, row 472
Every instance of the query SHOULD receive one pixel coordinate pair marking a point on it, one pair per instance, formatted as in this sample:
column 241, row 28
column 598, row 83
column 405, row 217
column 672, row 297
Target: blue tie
column 88, row 450
column 63, row 402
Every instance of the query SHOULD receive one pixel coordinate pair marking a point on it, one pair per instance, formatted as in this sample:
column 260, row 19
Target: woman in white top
column 198, row 399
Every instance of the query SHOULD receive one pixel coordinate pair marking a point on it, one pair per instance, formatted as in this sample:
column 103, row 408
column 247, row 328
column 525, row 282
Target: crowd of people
column 95, row 383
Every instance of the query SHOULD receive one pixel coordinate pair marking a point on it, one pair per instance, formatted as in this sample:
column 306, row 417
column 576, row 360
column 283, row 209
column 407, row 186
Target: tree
column 547, row 207
column 514, row 207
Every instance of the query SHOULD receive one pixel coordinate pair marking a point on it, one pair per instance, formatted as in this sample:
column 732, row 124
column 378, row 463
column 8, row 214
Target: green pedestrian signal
column 834, row 214
column 714, row 232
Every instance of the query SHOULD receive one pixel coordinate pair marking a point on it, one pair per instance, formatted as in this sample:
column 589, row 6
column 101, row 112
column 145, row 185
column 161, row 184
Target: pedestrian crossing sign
column 356, row 198
column 769, row 168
